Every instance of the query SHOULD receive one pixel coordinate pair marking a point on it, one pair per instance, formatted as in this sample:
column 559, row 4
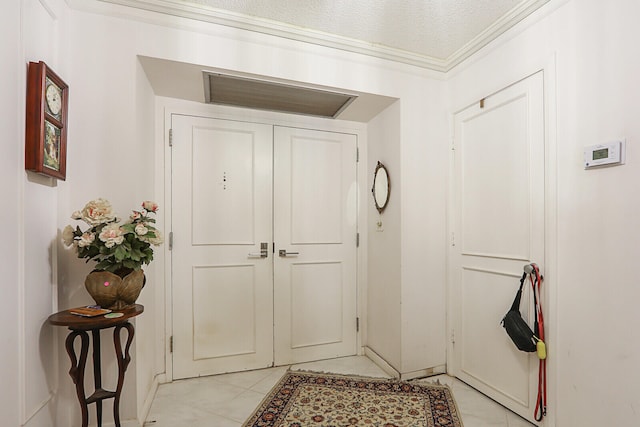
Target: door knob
column 284, row 253
column 264, row 251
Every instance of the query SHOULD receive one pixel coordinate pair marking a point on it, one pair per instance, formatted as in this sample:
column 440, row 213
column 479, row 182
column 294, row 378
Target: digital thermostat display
column 604, row 154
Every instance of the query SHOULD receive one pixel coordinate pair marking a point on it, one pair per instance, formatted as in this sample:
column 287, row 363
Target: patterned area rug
column 304, row 399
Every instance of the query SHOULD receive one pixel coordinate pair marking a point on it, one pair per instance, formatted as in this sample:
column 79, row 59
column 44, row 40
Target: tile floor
column 228, row 400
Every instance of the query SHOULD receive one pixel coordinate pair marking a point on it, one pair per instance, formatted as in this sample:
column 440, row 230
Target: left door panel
column 221, row 213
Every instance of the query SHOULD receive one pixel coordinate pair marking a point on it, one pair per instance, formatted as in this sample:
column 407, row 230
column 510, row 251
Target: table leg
column 77, row 369
column 97, row 372
column 123, row 362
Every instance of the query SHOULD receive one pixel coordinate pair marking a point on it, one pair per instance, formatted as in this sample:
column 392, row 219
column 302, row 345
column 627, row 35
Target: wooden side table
column 79, row 326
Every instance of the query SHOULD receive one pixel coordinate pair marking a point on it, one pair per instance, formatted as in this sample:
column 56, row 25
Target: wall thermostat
column 611, row 153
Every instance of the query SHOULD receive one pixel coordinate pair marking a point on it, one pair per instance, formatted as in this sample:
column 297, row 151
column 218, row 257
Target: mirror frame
column 380, row 204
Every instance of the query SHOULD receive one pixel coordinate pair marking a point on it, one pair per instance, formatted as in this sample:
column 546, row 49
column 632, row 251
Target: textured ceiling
column 433, row 34
column 434, row 28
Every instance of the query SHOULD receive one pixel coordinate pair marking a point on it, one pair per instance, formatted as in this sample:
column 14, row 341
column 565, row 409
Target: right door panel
column 315, row 229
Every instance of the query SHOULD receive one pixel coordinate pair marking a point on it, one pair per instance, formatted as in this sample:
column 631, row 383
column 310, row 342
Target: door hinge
column 357, row 154
column 170, row 240
column 453, row 239
column 170, row 137
column 171, row 344
column 357, row 324
column 453, row 337
column 357, row 240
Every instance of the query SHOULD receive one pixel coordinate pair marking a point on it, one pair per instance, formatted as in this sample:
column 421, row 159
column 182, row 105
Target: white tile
column 170, row 414
column 206, row 389
column 354, row 365
column 472, row 420
column 240, row 408
column 266, row 384
column 228, row 400
column 470, row 402
column 245, row 379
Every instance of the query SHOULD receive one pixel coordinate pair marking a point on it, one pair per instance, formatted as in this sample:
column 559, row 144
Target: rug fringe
column 308, row 371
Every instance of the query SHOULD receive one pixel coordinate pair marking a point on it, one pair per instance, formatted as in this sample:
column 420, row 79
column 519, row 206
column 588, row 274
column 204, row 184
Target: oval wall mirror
column 381, row 187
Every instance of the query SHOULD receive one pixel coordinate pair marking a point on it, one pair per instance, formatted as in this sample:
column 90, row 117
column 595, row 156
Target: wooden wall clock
column 46, row 122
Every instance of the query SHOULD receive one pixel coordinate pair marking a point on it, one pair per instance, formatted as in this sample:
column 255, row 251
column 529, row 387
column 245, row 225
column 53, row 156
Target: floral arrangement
column 115, row 247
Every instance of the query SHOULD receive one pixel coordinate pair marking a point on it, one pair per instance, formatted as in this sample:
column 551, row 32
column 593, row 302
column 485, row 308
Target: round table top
column 65, row 318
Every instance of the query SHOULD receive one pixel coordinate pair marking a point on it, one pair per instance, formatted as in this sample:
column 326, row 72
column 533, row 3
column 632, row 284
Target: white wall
column 425, row 152
column 111, row 154
column 11, row 170
column 406, row 274
column 384, row 251
column 593, row 45
column 42, row 26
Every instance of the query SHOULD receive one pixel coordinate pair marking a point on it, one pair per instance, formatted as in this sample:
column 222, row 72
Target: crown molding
column 208, row 14
column 497, row 28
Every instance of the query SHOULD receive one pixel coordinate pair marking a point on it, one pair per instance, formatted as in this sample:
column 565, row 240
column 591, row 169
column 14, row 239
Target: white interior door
column 221, row 213
column 315, row 239
column 225, row 290
column 498, row 227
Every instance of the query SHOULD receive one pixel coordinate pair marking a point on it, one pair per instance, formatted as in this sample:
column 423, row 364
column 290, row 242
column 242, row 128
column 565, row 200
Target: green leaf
column 129, row 228
column 120, row 253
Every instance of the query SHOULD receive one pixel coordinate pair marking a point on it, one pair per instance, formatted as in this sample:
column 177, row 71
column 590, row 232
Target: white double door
column 498, row 226
column 264, row 245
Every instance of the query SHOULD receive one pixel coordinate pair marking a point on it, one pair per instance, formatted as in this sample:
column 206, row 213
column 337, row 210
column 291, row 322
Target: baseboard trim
column 421, row 373
column 382, row 364
column 143, row 411
column 386, row 366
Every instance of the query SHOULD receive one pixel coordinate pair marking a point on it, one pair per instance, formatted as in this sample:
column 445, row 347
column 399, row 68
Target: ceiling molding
column 265, row 26
column 492, row 32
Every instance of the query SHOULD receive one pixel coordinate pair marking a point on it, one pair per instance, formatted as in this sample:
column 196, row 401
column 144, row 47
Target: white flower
column 150, row 206
column 135, row 216
column 98, row 211
column 86, row 239
column 156, row 240
column 112, row 235
column 141, row 230
column 67, row 235
column 76, row 215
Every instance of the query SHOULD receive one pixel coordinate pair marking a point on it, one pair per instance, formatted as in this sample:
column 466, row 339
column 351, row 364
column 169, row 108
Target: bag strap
column 516, row 302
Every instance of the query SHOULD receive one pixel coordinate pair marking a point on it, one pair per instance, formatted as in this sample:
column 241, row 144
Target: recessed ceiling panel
column 265, row 95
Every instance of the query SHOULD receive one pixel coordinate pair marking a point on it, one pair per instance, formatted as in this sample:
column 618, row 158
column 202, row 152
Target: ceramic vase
column 114, row 291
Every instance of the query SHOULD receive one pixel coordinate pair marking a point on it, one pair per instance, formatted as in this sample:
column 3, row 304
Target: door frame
column 549, row 290
column 164, row 109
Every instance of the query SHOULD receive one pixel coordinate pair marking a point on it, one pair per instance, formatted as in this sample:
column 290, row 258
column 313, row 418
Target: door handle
column 264, row 251
column 284, row 253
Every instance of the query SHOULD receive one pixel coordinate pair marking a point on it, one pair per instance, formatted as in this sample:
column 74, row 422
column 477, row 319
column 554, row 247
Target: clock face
column 53, row 96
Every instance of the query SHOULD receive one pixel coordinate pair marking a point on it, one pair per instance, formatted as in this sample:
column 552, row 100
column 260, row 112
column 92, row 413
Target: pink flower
column 87, row 239
column 112, row 235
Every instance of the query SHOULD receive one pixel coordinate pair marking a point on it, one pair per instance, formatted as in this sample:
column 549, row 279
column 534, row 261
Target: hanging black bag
column 520, row 333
